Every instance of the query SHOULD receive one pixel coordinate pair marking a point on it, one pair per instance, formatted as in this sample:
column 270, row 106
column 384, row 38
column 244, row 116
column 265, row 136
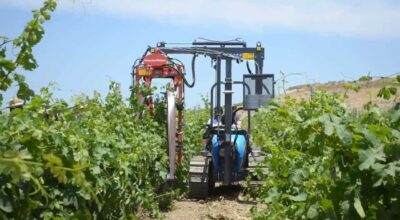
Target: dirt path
column 224, row 204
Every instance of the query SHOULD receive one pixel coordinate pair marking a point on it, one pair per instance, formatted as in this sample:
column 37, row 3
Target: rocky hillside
column 367, row 92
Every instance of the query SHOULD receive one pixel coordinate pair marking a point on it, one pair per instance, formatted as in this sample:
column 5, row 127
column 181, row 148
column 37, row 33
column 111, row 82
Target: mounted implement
column 228, row 156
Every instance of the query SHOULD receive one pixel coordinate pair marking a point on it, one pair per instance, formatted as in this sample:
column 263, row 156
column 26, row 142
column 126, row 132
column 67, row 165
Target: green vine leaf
column 358, row 207
column 387, row 92
column 369, row 157
column 300, row 197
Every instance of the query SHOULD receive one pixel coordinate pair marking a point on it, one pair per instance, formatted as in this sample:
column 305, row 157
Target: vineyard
column 327, row 162
column 96, row 159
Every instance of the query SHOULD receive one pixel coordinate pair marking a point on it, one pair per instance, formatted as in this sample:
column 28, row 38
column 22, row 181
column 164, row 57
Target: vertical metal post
column 259, row 59
column 228, row 121
column 218, row 82
column 249, row 122
column 259, row 66
column 181, row 90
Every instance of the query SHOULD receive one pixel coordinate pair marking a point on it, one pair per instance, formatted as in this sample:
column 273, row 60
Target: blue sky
column 89, row 42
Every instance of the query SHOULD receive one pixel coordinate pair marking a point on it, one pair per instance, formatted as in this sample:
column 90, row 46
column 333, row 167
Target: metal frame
column 212, row 94
column 218, row 51
column 178, row 85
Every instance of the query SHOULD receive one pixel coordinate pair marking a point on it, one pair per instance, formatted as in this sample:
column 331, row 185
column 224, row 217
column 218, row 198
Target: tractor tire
column 201, row 181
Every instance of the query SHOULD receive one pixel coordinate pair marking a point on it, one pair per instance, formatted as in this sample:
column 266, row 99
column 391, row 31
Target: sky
column 90, row 42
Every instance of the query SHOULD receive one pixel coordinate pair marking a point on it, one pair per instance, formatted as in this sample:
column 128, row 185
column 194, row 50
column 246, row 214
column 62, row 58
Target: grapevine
column 328, row 162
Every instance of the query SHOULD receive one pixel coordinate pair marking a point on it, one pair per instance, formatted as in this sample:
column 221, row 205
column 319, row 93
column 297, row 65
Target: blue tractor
column 229, row 157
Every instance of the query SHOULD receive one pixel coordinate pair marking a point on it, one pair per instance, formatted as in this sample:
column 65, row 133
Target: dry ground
column 226, row 203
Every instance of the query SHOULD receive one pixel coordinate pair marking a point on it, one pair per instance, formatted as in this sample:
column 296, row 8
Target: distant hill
column 355, row 100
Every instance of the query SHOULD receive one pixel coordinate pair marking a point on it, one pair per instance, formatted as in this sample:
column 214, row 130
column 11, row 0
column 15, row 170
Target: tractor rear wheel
column 200, row 177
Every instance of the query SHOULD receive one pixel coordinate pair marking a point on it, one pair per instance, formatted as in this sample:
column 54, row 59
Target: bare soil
column 227, row 202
